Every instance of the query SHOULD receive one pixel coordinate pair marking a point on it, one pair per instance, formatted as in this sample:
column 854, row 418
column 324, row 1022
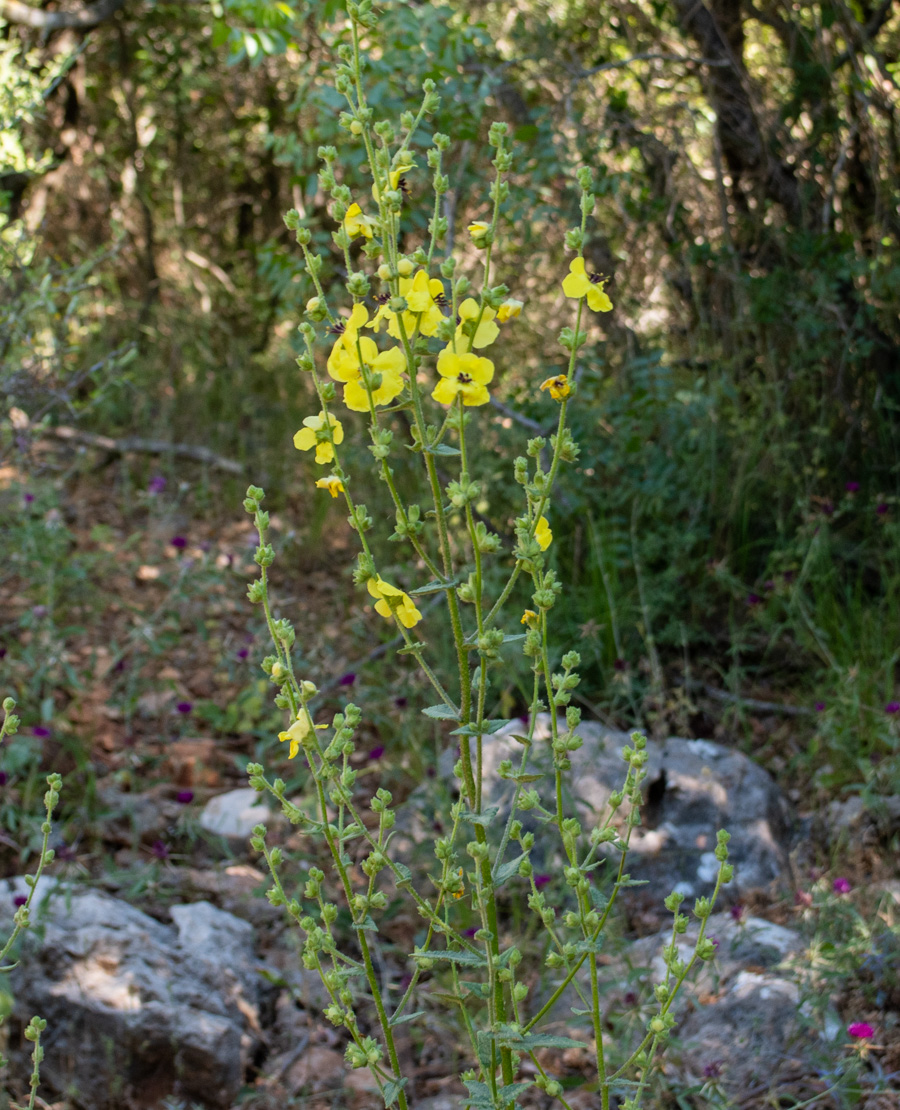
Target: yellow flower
column 347, row 333
column 559, row 387
column 578, row 283
column 319, row 432
column 345, row 365
column 509, row 309
column 542, row 533
column 477, row 230
column 423, row 295
column 356, row 223
column 297, row 733
column 332, row 484
column 530, row 618
column 393, row 602
column 397, row 175
column 457, row 894
column 383, row 313
column 486, row 332
column 466, row 375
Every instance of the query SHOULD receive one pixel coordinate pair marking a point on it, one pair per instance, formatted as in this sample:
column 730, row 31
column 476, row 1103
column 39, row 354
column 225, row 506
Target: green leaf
column 484, row 818
column 411, row 649
column 488, row 728
column 507, row 870
column 470, row 959
column 366, row 925
column 392, row 1090
column 535, row 1040
column 442, row 449
column 527, row 777
column 512, row 1089
column 483, row 1046
column 441, row 713
column 480, row 990
column 480, row 1093
column 403, row 872
column 434, row 587
column 405, row 1018
column 220, row 33
column 511, row 638
column 590, row 945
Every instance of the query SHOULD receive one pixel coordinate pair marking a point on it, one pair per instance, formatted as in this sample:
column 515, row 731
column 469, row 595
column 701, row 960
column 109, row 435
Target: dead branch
column 134, row 444
column 81, row 19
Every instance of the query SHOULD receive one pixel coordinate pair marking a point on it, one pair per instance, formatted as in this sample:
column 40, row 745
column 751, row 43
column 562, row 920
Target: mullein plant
column 22, row 915
column 416, row 336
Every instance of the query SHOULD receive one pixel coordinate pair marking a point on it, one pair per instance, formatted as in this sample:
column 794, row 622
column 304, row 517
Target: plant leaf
column 441, row 712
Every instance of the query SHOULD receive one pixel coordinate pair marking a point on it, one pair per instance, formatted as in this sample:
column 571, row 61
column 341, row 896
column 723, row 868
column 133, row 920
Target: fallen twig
column 752, row 703
column 145, row 446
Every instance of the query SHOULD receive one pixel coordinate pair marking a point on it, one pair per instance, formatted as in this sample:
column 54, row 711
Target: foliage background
column 731, row 536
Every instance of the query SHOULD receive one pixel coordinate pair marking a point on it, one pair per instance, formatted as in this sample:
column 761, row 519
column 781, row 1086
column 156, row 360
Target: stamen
column 464, row 378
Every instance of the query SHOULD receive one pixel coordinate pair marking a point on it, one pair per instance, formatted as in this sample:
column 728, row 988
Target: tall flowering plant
column 417, row 335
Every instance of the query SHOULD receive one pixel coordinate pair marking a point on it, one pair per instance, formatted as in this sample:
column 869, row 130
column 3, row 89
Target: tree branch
column 80, row 19
column 144, row 446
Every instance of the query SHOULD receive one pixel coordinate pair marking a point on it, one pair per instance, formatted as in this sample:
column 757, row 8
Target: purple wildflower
column 713, row 1069
column 629, row 998
column 183, row 797
column 860, row 1029
column 714, row 941
column 737, row 913
column 769, row 585
column 377, row 753
column 243, row 653
column 178, row 541
column 470, row 932
column 881, row 509
column 892, row 707
column 20, row 900
column 347, row 679
column 40, row 732
column 541, row 880
column 400, row 702
column 819, row 707
column 159, row 849
column 841, row 886
column 4, row 778
column 28, row 498
column 156, row 484
column 851, row 487
column 39, row 612
column 184, row 707
column 753, row 599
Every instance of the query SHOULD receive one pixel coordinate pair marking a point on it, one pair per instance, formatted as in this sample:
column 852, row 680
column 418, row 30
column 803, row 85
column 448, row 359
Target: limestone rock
column 739, row 1017
column 692, row 789
column 235, row 813
column 136, row 1009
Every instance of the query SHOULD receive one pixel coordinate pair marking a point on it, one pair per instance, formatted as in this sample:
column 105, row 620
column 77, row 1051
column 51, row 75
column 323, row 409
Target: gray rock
column 740, row 1015
column 136, row 1009
column 692, row 789
column 235, row 813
